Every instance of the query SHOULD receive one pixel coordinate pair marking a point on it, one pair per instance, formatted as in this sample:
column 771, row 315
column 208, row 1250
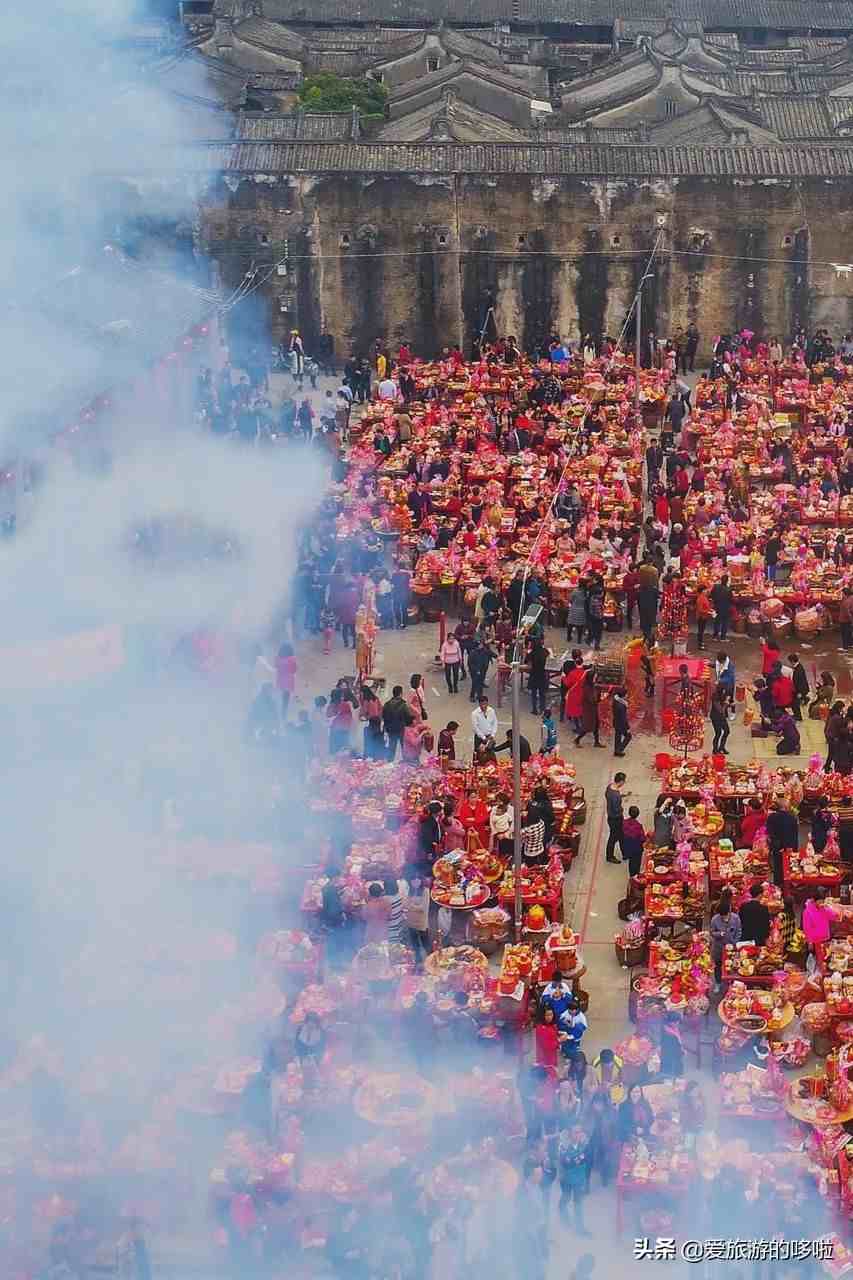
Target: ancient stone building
column 530, row 157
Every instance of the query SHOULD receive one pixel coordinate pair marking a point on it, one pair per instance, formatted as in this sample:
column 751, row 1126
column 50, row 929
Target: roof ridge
column 541, row 158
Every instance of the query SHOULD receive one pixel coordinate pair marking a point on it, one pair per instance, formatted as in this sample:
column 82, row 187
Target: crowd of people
column 453, row 464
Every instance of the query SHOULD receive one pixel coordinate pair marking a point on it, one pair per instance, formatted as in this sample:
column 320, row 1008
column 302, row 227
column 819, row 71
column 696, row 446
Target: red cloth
column 662, row 508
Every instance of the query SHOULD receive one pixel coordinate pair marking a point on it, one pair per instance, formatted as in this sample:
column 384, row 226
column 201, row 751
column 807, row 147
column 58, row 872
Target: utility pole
column 525, row 622
column 638, row 332
column 515, row 679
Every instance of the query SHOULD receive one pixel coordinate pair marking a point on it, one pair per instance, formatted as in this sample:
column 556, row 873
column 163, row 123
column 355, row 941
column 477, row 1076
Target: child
column 327, row 624
column 548, row 740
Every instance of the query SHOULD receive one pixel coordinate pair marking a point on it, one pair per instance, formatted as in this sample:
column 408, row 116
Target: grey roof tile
column 581, row 160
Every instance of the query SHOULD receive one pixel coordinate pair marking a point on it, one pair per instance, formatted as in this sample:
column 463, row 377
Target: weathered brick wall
column 421, row 258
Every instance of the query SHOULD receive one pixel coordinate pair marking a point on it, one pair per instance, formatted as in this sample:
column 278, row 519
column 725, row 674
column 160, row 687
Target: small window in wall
column 345, row 240
column 263, row 238
column 522, row 240
column 433, row 64
column 670, row 108
column 787, row 241
column 379, row 76
column 615, row 241
column 442, row 240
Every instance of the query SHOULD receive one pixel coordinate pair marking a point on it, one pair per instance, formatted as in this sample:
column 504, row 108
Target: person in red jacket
column 574, row 697
column 782, row 687
column 547, row 1040
column 770, row 655
column 752, row 822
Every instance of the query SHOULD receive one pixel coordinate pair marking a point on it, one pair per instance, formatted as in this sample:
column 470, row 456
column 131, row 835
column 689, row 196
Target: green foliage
column 328, row 92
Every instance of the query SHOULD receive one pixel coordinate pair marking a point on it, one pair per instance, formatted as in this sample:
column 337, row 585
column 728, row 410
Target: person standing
column 720, row 719
column 572, row 685
column 484, row 723
column 396, row 715
column 285, row 676
column 576, row 619
column 724, row 670
column 691, row 346
column 630, row 585
column 704, row 613
column 772, row 547
column 621, row 731
column 589, row 709
column 783, row 832
column 633, row 841
column 725, row 932
column 417, row 705
column 348, row 600
column 647, row 607
column 538, row 678
column 722, row 599
column 548, row 734
column 614, row 794
column 401, row 592
column 479, row 660
column 834, row 731
column 595, row 610
column 451, row 658
column 800, row 682
column 573, row 1159
column 754, row 918
column 845, row 617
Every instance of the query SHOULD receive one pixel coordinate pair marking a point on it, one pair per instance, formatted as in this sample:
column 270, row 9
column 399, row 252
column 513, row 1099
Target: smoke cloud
column 126, row 979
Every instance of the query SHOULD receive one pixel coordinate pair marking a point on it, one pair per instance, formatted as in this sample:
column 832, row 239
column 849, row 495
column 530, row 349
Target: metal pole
column 515, row 681
column 638, row 318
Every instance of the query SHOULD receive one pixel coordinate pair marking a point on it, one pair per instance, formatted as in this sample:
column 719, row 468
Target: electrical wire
column 620, row 255
column 624, row 255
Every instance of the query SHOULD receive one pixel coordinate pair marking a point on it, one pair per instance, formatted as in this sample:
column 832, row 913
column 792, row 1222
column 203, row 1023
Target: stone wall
column 422, row 259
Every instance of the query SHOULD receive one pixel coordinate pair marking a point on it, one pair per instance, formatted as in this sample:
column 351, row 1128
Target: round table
column 788, row 1015
column 797, row 1108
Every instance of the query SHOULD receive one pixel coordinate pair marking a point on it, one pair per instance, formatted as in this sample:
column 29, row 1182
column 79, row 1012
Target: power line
column 623, row 255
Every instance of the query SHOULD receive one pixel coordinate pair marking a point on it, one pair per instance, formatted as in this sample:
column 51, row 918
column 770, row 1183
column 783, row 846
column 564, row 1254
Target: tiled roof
column 271, row 35
column 581, row 160
column 731, row 15
column 793, row 117
column 445, row 75
column 575, row 134
column 814, row 15
column 320, row 126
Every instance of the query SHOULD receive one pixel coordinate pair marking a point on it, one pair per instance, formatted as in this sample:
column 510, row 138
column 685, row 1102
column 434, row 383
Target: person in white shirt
column 484, row 722
column 501, row 825
column 388, row 389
